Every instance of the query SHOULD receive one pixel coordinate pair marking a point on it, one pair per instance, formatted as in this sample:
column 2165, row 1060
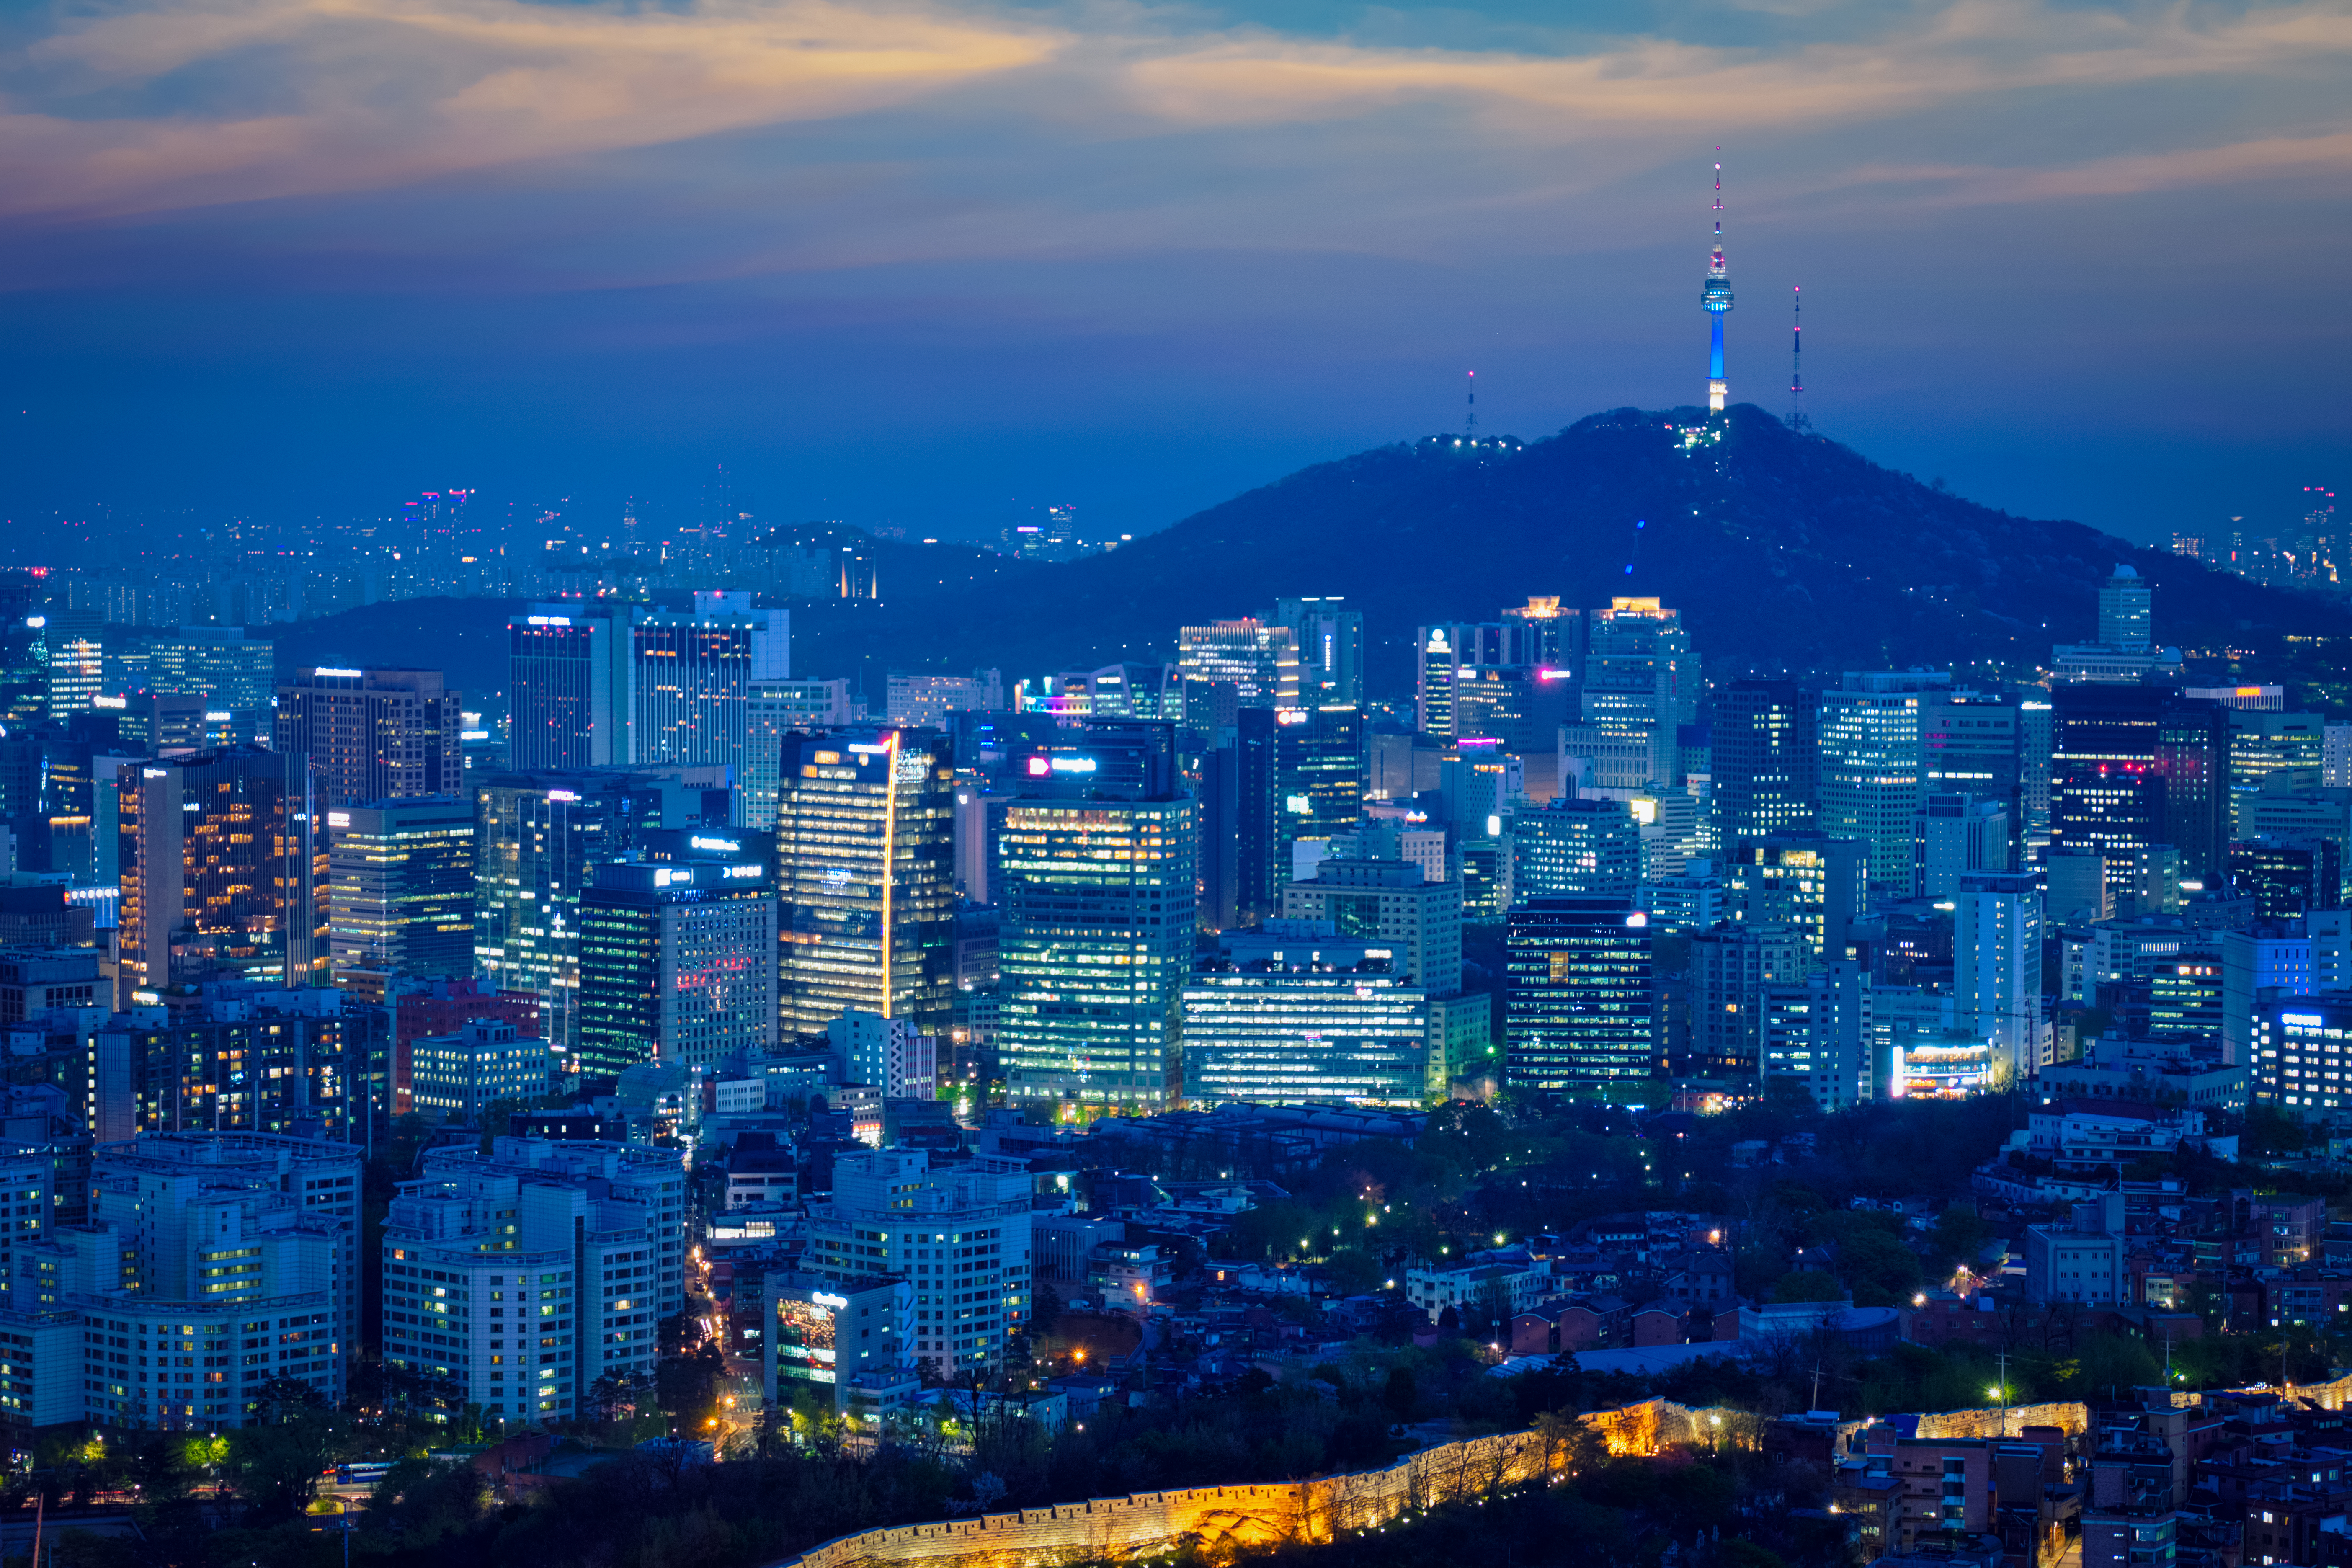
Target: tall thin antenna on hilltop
column 1471, row 427
column 1797, row 420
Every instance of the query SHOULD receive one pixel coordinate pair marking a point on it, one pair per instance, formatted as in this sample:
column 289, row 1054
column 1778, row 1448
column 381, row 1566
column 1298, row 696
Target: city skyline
column 962, row 262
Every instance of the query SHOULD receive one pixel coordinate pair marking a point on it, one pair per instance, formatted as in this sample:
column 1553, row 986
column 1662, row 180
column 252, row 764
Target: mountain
column 1781, row 549
column 1782, row 552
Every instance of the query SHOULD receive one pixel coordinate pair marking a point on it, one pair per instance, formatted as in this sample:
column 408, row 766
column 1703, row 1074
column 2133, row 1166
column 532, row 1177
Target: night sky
column 927, row 266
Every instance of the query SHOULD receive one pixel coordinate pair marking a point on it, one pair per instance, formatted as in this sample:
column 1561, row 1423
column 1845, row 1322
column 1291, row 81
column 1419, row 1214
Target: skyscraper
column 2134, row 766
column 1997, row 930
column 1579, row 995
column 1765, row 758
column 591, row 686
column 1095, row 873
column 1325, row 770
column 400, row 893
column 2126, row 610
column 1330, row 644
column 1730, row 969
column 1812, row 881
column 676, row 954
column 866, row 877
column 372, row 734
column 219, row 869
column 564, row 667
column 1873, row 762
column 1573, row 845
column 537, row 839
column 1244, row 856
column 1261, row 661
column 1641, row 678
column 1281, row 1020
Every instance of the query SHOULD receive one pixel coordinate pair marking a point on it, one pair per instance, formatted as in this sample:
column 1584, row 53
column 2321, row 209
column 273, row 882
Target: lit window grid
column 1284, row 1038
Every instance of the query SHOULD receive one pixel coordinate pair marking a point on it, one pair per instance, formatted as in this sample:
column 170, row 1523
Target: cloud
column 180, row 104
column 391, row 91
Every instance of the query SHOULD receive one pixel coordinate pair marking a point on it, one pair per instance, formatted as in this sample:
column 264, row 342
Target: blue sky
column 931, row 265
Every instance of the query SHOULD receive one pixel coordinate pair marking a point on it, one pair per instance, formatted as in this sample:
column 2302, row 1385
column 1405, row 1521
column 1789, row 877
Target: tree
column 1808, row 1285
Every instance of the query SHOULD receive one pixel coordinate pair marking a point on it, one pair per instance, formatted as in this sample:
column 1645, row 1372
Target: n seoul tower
column 1716, row 296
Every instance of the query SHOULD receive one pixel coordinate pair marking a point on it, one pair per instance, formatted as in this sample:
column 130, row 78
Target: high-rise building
column 1260, row 661
column 219, row 869
column 959, row 1233
column 1872, row 766
column 1730, row 968
column 2297, row 1041
column 1975, row 743
column 1817, row 1033
column 677, row 954
column 865, row 856
column 2126, row 610
column 691, row 678
column 1997, row 931
column 1330, row 644
column 537, row 839
column 1765, row 755
column 1640, row 676
column 777, row 709
column 567, row 670
column 2258, row 967
column 1392, row 903
column 1573, row 846
column 1953, row 834
column 1279, row 1021
column 1094, row 871
column 887, row 1054
column 1245, row 856
column 1325, row 770
column 2289, row 878
column 245, row 1058
column 1809, row 880
column 238, row 1252
column 2134, row 766
column 400, row 891
column 2271, row 753
column 453, row 1077
column 1579, row 995
column 841, row 1341
column 1471, row 678
column 928, row 701
column 372, row 734
column 515, row 1281
column 76, row 645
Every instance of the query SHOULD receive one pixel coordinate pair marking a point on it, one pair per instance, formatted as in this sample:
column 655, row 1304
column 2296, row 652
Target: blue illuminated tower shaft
column 1715, row 297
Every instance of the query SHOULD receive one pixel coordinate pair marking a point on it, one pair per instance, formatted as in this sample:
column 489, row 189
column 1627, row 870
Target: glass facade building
column 865, row 877
column 1579, row 998
column 400, row 888
column 1279, row 1033
column 676, row 951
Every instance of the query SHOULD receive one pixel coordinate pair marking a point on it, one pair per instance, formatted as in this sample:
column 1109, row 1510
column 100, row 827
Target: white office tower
column 1997, row 926
column 959, row 1232
column 212, row 1265
column 889, row 1054
column 515, row 1280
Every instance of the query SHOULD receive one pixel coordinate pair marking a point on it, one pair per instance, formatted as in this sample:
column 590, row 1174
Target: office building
column 400, row 890
column 1816, row 1034
column 515, row 1281
column 2132, row 766
column 1997, row 934
column 231, row 669
column 1641, row 676
column 1324, row 771
column 1392, row 903
column 675, row 949
column 1575, row 846
column 565, row 664
column 244, row 1057
column 1329, row 640
column 371, row 735
column 76, row 674
column 928, row 701
column 1245, row 856
column 1580, row 996
column 778, row 708
column 1955, row 834
column 887, row 1054
column 865, row 852
column 1811, row 880
column 2271, row 753
column 452, row 1076
column 1977, row 743
column 2288, row 878
column 2299, row 1046
column 2270, row 963
column 841, row 1344
column 221, row 872
column 1764, row 757
column 1690, row 903
column 1095, row 873
column 2126, row 652
column 537, row 839
column 1730, row 968
column 957, row 1232
column 1260, row 661
column 1471, row 679
column 691, row 677
column 1872, row 764
column 1285, row 1019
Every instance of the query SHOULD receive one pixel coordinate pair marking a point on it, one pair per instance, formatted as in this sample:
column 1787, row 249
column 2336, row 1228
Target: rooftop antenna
column 1471, row 427
column 1797, row 420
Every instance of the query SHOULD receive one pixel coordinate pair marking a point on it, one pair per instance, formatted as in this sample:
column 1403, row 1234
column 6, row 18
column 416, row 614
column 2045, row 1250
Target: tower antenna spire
column 1797, row 420
column 1470, row 427
column 1715, row 296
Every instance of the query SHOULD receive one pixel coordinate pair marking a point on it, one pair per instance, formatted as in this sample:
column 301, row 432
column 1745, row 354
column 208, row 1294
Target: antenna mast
column 1714, row 298
column 1471, row 427
column 1797, row 420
